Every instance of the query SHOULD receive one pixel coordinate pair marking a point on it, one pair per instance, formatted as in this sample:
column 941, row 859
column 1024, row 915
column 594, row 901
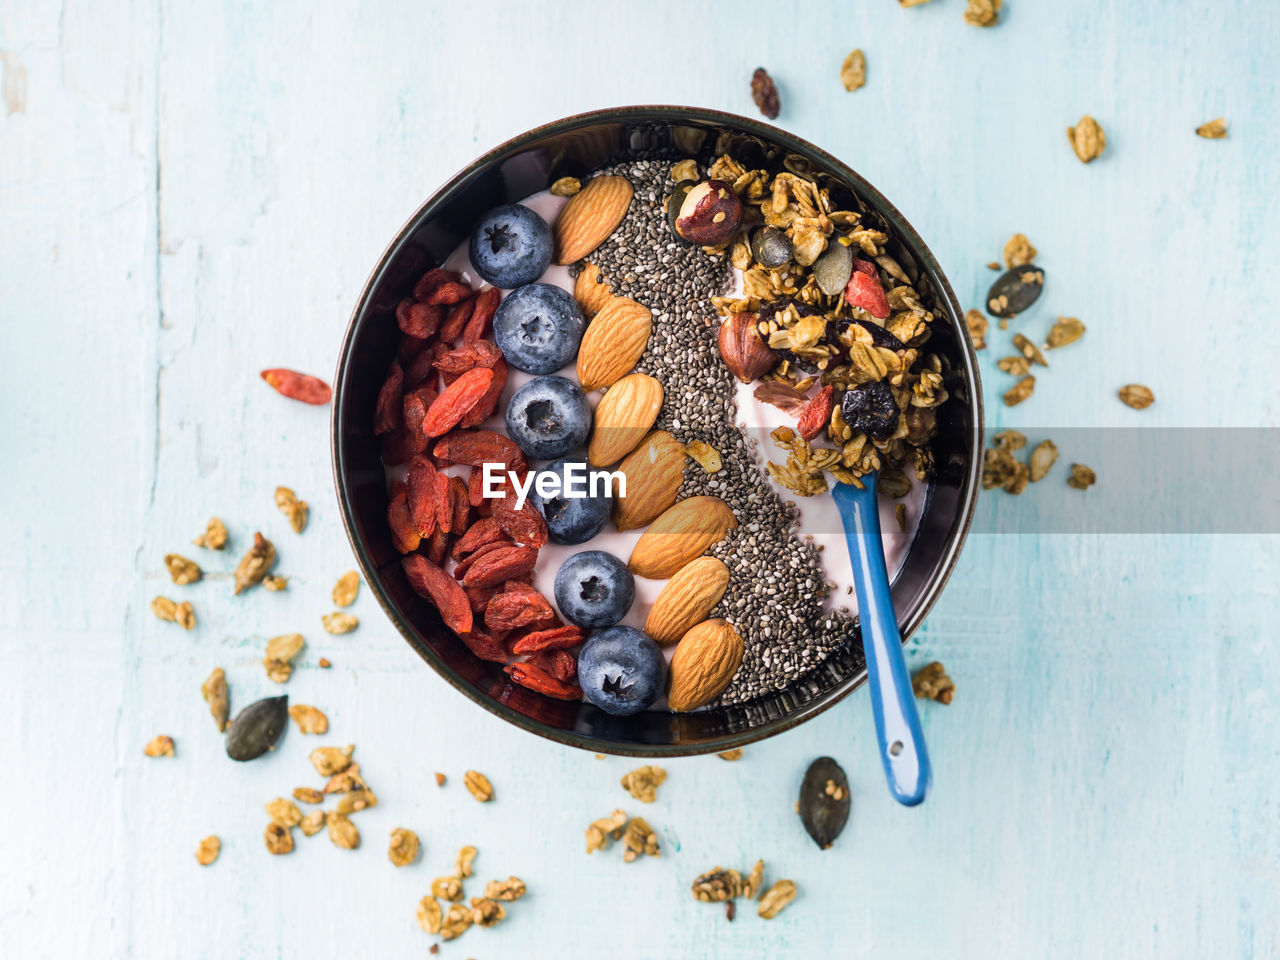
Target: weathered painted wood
column 191, row 192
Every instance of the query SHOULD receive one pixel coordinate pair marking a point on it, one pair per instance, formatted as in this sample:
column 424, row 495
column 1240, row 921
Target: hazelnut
column 710, row 214
column 746, row 355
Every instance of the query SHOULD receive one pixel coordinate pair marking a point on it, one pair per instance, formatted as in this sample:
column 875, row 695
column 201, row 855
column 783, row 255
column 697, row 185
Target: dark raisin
column 870, row 408
column 824, row 801
column 1015, row 290
column 771, row 247
column 257, row 727
column 764, row 93
column 880, row 337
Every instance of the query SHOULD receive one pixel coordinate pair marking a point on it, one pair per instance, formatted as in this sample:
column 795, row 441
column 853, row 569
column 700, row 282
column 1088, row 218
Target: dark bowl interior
column 523, row 166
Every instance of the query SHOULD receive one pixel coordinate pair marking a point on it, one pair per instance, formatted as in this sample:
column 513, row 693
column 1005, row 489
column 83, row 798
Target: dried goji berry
column 451, row 291
column 489, row 402
column 416, row 319
column 478, row 447
column 430, row 280
column 298, row 386
column 456, row 320
column 414, row 409
column 404, row 533
column 389, row 411
column 398, row 447
column 479, row 597
column 481, row 353
column 429, row 581
column 503, row 563
column 524, row 525
column 443, row 505
column 482, row 315
column 410, row 349
column 816, row 413
column 475, row 488
column 535, row 678
column 484, row 646
column 513, row 609
column 456, row 401
column 553, row 638
column 421, row 371
column 465, row 563
column 561, row 664
column 461, row 507
column 481, row 532
column 864, row 291
column 420, row 482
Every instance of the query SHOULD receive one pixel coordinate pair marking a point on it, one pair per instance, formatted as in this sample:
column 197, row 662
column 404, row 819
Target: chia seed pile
column 776, row 582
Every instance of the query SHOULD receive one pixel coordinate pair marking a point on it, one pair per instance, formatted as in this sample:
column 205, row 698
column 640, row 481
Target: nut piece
column 339, row 623
column 1042, row 459
column 466, row 857
column 639, row 839
column 181, row 570
column 342, row 831
column 931, row 682
column 180, row 613
column 293, row 508
column 1029, row 349
column 1066, row 330
column 479, row 786
column 776, row 899
column 613, row 343
column 214, row 536
column 160, row 746
column 982, row 13
column 1086, row 138
column 1213, row 130
column 486, row 912
column 284, row 812
column 746, row 355
column 601, row 831
column 208, row 850
column 447, row 888
column 429, row 914
column 1019, row 391
column 279, row 838
column 255, row 564
column 853, row 72
column 565, row 187
column 977, row 324
column 404, row 847
column 1018, row 251
column 705, row 661
column 456, row 921
column 686, row 169
column 735, row 754
column 710, row 215
column 654, row 472
column 509, row 889
column 274, row 584
column 330, row 760
column 623, row 418
column 590, row 216
column 590, row 290
column 680, row 534
column 214, row 691
column 312, row 823
column 1082, row 478
column 280, row 652
column 345, row 590
column 309, row 719
column 643, row 782
column 718, row 885
column 308, row 795
column 687, row 599
column 1136, row 395
column 707, row 456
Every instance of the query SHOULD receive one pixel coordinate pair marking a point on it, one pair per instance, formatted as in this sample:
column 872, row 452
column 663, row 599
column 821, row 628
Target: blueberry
column 870, row 408
column 594, row 589
column 621, row 670
column 511, row 246
column 548, row 417
column 572, row 519
column 538, row 328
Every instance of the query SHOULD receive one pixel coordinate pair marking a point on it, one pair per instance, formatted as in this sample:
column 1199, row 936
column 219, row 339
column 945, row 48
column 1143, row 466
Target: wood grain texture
column 192, row 192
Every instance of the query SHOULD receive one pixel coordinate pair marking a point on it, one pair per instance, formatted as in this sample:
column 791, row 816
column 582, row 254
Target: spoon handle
column 902, row 747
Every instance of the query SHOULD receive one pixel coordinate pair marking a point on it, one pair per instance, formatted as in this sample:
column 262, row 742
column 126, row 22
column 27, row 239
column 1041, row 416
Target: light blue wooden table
column 190, row 192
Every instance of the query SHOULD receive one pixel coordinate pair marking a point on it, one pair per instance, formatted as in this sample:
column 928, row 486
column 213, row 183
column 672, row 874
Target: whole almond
column 590, row 216
column 654, row 472
column 613, row 343
column 682, row 533
column 623, row 417
column 686, row 599
column 590, row 291
column 705, row 661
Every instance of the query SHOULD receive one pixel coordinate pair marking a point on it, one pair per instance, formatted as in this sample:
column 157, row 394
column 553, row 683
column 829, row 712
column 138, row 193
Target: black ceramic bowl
column 525, row 165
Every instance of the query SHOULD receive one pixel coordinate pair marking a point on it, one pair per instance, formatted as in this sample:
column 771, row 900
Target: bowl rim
column 906, row 234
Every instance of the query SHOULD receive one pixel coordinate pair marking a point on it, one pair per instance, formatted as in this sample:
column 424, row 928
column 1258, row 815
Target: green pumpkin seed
column 1015, row 290
column 257, row 727
column 833, row 269
column 771, row 247
column 824, row 801
column 677, row 200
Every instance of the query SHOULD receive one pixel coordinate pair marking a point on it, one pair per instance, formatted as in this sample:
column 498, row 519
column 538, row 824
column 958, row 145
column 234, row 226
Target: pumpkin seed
column 824, row 801
column 1015, row 290
column 257, row 727
column 771, row 247
column 676, row 201
column 833, row 269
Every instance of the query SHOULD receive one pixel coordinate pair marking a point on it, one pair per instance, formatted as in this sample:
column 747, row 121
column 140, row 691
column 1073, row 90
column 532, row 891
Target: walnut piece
column 512, row 888
column 181, row 570
column 293, row 508
column 214, row 536
column 931, row 682
column 643, row 782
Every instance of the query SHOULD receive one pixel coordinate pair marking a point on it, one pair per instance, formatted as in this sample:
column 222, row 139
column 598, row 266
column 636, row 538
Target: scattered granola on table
column 1042, row 459
column 1082, row 478
column 293, row 508
column 1087, row 139
column 312, row 823
column 255, row 564
column 931, row 682
column 465, row 860
column 182, row 613
column 284, row 812
column 1213, row 130
column 977, row 324
column 853, row 72
column 777, row 897
column 1018, row 251
column 478, row 785
column 1066, row 330
column 181, row 570
column 1136, row 395
column 430, row 916
column 214, row 690
column 765, row 93
column 735, row 754
column 339, row 623
column 161, row 746
column 643, row 782
column 208, row 850
column 982, row 13
column 1020, row 391
column 342, row 831
column 309, row 719
column 346, row 589
column 274, row 583
column 1029, row 349
column 279, row 656
column 509, row 889
column 639, row 839
column 331, row 760
column 308, row 795
column 404, row 847
column 601, row 831
column 278, row 838
column 214, row 536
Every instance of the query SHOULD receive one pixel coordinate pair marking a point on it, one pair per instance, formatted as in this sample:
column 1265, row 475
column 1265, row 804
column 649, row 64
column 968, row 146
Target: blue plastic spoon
column 902, row 749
